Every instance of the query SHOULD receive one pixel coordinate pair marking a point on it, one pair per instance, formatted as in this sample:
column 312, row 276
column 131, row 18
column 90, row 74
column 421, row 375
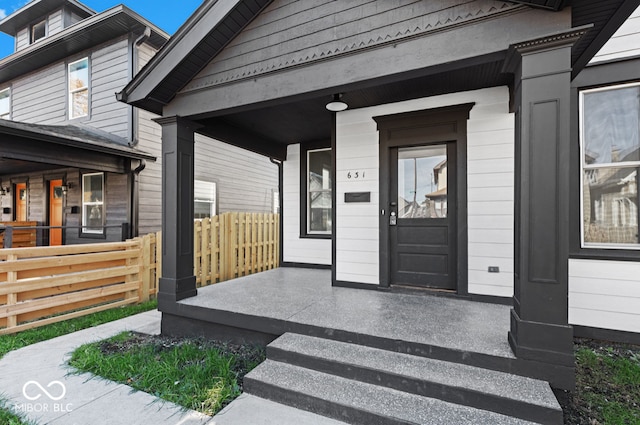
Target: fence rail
column 43, row 285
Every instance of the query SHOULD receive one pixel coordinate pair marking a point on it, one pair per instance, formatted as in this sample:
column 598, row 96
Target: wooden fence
column 43, row 285
column 235, row 244
column 21, row 237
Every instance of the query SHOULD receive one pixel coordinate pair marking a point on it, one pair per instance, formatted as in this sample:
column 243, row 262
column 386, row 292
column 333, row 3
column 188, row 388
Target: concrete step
column 499, row 392
column 356, row 402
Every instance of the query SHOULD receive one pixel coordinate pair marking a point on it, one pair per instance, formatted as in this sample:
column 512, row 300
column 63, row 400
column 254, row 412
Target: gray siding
column 289, row 32
column 109, row 74
column 41, row 97
column 245, row 180
column 55, row 24
column 22, row 39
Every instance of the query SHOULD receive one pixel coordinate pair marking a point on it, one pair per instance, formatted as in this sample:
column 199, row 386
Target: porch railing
column 22, row 234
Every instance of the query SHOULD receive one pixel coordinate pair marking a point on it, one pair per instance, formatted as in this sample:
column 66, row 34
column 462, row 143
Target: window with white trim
column 38, row 31
column 5, row 104
column 204, row 199
column 93, row 205
column 319, row 199
column 610, row 155
column 78, row 74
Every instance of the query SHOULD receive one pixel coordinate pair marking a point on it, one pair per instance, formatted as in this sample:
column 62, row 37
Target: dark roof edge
column 621, row 15
column 45, row 133
column 80, row 27
column 167, row 50
column 7, row 26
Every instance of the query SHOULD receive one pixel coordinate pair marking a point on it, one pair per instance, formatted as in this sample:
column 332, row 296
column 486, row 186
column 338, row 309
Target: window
column 610, row 152
column 319, row 199
column 93, row 203
column 79, row 88
column 5, row 104
column 38, row 31
column 205, row 199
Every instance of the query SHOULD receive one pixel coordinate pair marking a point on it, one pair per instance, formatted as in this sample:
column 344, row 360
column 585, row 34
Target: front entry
column 55, row 212
column 423, row 198
column 422, row 219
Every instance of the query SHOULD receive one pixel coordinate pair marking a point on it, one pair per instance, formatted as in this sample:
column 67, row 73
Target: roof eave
column 10, row 65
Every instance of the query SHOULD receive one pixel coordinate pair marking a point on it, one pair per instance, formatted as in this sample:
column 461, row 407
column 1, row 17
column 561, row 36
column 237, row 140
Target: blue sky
column 166, row 14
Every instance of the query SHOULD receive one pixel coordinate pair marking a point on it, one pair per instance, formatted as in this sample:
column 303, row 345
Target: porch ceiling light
column 337, row 105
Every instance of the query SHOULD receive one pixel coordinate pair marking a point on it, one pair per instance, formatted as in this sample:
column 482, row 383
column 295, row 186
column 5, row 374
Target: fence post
column 12, row 299
column 125, row 232
column 145, row 282
column 205, row 251
column 133, row 277
column 8, row 237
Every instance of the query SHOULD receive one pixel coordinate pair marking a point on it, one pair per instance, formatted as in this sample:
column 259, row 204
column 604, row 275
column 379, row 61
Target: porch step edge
column 358, row 402
column 500, row 392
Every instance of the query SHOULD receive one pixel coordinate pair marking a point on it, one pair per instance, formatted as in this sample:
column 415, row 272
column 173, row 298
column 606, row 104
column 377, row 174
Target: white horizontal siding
column 297, row 249
column 490, row 194
column 604, row 294
column 624, row 43
column 22, row 39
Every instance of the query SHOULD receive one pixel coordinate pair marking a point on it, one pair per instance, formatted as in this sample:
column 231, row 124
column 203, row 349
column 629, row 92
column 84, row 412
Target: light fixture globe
column 336, row 105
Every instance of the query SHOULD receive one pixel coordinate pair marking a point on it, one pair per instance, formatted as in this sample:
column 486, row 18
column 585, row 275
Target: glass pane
column 92, row 188
column 38, row 31
column 5, row 103
column 319, row 171
column 80, row 103
column 611, row 125
column 93, row 218
column 320, row 211
column 422, row 182
column 79, row 75
column 23, row 194
column 202, row 209
column 57, row 192
column 610, row 206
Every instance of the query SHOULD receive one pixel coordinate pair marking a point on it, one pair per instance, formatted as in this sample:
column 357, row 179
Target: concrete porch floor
column 303, row 301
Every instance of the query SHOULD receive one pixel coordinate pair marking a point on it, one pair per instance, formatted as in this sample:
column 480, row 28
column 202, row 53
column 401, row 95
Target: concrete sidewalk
column 37, row 381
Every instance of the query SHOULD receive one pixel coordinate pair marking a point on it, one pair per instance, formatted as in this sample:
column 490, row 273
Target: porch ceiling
column 268, row 128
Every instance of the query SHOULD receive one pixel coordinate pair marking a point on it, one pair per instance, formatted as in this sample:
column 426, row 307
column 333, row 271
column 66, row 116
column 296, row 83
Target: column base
column 547, row 346
column 173, row 290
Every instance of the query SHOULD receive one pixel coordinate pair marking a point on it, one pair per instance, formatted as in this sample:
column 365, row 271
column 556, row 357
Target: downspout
column 134, row 70
column 135, row 207
column 133, row 120
column 280, row 206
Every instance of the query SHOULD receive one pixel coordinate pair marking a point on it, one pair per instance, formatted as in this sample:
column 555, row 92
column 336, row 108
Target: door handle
column 393, row 219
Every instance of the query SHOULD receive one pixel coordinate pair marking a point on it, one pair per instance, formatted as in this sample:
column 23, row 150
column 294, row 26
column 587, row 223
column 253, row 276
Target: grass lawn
column 197, row 374
column 607, row 385
column 31, row 336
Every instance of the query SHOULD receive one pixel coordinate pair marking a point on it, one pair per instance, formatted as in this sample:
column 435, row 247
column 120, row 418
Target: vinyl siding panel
column 22, row 39
column 490, row 192
column 624, row 43
column 109, row 74
column 41, row 97
column 55, row 23
column 296, row 249
column 604, row 294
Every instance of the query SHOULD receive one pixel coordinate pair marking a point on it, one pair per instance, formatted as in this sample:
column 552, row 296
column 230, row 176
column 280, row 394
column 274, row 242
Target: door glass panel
column 422, row 182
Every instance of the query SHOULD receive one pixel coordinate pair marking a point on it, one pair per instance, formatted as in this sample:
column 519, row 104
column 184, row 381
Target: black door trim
column 447, row 124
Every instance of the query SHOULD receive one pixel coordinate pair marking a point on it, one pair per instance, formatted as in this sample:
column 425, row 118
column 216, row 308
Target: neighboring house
column 484, row 85
column 72, row 155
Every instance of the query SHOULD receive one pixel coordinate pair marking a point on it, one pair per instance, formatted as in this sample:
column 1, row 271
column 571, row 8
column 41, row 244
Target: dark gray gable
column 290, row 34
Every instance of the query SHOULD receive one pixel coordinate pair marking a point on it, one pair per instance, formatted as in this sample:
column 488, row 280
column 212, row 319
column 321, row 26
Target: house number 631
column 355, row 175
